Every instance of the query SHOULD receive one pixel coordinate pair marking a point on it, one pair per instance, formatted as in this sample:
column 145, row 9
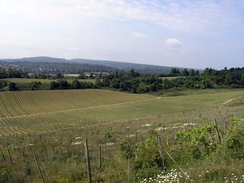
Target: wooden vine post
column 38, row 167
column 100, row 157
column 161, row 153
column 23, row 154
column 88, row 162
column 217, row 131
column 10, row 157
column 3, row 156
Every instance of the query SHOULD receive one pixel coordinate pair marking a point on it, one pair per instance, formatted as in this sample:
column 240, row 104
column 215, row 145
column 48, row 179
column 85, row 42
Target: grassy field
column 36, row 111
column 71, row 75
column 55, row 123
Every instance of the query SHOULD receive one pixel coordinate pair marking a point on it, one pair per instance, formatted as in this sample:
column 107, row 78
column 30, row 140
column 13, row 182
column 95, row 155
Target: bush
column 235, row 144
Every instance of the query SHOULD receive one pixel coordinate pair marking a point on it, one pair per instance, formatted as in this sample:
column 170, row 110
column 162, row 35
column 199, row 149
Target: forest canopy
column 136, row 82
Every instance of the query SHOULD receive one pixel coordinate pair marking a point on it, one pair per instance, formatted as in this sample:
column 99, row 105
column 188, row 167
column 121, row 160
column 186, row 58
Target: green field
column 54, row 124
column 37, row 111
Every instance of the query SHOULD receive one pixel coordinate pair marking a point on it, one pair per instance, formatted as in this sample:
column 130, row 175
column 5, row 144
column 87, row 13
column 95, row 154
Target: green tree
column 91, row 76
column 132, row 73
column 63, row 84
column 174, row 72
column 166, row 84
column 98, row 81
column 76, row 84
column 116, row 73
column 34, row 85
column 53, row 85
column 42, row 76
column 192, row 72
column 3, row 84
column 106, row 81
column 115, row 83
column 242, row 79
column 142, row 88
column 59, row 75
column 12, row 86
column 206, row 71
column 228, row 79
column 82, row 76
column 185, row 72
column 3, row 73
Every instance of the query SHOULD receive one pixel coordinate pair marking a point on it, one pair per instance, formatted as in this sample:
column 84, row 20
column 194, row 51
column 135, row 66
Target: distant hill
column 45, row 64
column 36, row 59
column 141, row 68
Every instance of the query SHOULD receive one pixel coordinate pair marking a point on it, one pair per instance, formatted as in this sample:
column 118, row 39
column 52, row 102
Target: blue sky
column 183, row 33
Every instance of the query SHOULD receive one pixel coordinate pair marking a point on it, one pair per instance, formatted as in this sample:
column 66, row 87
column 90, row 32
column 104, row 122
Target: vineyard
column 54, row 124
column 30, row 111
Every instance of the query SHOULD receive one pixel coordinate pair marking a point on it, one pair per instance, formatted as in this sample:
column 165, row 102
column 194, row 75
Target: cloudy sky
column 184, row 33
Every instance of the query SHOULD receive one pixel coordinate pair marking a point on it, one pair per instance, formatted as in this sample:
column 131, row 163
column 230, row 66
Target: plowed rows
column 47, row 110
column 40, row 111
column 24, row 103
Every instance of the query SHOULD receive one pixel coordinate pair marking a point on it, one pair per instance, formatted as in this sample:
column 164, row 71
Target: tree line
column 131, row 81
column 210, row 78
column 63, row 84
column 135, row 82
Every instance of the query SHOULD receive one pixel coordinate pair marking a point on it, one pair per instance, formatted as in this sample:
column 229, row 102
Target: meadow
column 55, row 123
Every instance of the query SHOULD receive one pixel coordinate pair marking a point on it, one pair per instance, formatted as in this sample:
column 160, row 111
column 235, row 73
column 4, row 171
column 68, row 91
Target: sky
column 179, row 33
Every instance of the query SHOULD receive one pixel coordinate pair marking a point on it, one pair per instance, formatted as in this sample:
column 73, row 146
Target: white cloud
column 112, row 30
column 177, row 47
column 188, row 16
column 173, row 42
column 73, row 48
column 139, row 35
